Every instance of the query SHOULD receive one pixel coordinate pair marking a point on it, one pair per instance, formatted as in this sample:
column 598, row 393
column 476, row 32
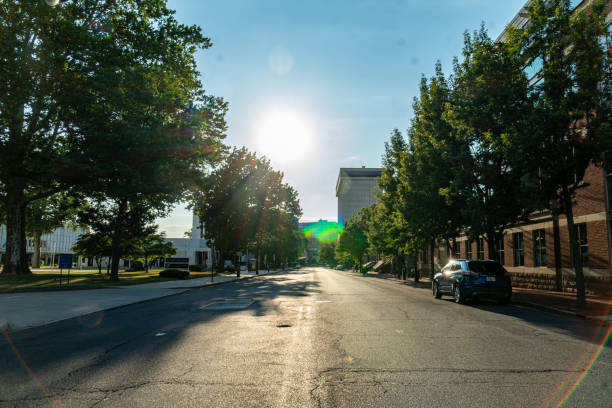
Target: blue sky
column 320, row 85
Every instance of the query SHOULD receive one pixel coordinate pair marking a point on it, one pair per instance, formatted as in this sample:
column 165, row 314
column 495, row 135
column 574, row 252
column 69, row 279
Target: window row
column 518, row 248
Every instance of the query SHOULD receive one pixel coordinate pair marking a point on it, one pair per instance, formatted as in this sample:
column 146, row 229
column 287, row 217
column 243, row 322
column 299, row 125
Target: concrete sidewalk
column 597, row 308
column 30, row 309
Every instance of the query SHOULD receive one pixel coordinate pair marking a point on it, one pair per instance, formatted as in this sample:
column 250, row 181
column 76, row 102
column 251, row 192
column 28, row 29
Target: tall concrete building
column 356, row 189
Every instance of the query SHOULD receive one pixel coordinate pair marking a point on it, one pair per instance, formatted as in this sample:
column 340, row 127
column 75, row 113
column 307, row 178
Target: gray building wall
column 356, row 189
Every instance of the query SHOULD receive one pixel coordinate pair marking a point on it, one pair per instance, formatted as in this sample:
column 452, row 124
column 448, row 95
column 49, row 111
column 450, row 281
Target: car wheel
column 436, row 291
column 458, row 295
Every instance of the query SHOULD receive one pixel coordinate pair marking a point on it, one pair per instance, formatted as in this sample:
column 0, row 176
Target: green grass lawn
column 49, row 279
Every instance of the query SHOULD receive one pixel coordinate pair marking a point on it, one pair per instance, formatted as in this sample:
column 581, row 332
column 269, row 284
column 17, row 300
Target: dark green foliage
column 353, row 242
column 174, row 273
column 491, row 114
column 135, row 266
column 573, row 104
column 103, row 97
column 244, row 204
column 95, row 246
column 150, row 247
column 197, row 268
column 327, row 254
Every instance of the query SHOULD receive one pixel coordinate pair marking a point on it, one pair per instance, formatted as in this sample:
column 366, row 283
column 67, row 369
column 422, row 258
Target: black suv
column 464, row 279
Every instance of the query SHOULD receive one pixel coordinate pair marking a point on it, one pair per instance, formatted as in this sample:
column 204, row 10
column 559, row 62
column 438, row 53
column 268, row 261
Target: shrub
column 174, row 273
column 135, row 266
column 197, row 268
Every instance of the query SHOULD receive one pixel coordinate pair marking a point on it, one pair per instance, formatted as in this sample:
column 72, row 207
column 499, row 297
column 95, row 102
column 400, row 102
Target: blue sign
column 65, row 261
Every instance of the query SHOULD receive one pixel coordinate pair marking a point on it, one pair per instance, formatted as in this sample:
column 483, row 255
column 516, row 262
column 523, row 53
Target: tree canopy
column 101, row 97
column 244, row 203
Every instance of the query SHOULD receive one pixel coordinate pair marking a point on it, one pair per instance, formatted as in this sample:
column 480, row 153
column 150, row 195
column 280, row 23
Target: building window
column 456, row 251
column 539, row 247
column 480, row 248
column 518, row 249
column 468, row 249
column 499, row 251
column 581, row 239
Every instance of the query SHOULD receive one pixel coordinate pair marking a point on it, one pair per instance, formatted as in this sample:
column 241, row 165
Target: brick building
column 528, row 248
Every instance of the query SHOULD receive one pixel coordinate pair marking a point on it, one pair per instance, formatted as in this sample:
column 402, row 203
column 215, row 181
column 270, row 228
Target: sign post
column 65, row 262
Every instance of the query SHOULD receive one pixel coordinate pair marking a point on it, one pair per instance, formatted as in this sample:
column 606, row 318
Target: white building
column 356, row 189
column 194, row 248
column 61, row 241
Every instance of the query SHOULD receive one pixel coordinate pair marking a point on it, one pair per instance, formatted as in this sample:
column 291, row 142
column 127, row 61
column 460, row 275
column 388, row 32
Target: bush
column 135, row 266
column 197, row 268
column 174, row 273
column 366, row 268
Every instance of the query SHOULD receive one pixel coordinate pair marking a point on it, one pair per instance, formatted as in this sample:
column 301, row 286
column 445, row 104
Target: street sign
column 177, row 263
column 65, row 261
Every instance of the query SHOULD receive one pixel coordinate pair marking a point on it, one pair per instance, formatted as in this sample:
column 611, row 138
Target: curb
column 182, row 290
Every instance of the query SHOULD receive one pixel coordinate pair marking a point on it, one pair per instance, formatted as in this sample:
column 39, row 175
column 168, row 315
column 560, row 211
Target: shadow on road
column 573, row 326
column 66, row 355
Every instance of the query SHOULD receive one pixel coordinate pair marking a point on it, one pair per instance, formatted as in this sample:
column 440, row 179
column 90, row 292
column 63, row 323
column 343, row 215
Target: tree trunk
column 108, row 265
column 116, row 251
column 36, row 254
column 557, row 246
column 491, row 244
column 431, row 258
column 417, row 273
column 576, row 256
column 99, row 263
column 15, row 257
column 116, row 241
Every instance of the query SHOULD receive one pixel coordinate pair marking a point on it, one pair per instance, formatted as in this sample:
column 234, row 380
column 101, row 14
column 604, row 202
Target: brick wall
column 597, row 238
column 591, row 199
column 593, row 285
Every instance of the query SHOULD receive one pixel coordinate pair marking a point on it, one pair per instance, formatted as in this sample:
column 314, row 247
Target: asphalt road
column 314, row 337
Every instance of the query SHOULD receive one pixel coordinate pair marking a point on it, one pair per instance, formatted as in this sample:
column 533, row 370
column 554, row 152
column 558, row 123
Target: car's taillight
column 468, row 273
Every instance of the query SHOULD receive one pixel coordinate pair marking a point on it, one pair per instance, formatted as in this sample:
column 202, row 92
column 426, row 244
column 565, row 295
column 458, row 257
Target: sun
column 284, row 135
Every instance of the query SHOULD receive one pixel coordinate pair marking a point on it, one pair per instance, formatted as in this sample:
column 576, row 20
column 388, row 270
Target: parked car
column 340, row 267
column 471, row 280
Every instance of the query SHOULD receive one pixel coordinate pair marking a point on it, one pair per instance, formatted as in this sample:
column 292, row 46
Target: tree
column 95, row 246
column 491, row 113
column 353, row 242
column 84, row 86
column 45, row 215
column 573, row 107
column 152, row 246
column 327, row 254
column 245, row 203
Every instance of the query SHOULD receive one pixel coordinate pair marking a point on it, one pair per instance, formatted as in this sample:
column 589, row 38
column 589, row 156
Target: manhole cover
column 228, row 304
column 283, row 325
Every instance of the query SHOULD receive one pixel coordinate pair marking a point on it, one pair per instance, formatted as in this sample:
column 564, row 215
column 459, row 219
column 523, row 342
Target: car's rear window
column 486, row 268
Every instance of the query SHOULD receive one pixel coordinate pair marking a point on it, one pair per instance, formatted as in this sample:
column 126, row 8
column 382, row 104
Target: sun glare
column 284, row 135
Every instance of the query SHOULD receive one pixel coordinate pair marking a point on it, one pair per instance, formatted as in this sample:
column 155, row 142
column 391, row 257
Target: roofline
column 356, row 170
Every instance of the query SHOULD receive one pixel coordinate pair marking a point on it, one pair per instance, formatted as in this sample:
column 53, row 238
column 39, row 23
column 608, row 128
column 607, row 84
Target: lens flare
column 324, row 231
